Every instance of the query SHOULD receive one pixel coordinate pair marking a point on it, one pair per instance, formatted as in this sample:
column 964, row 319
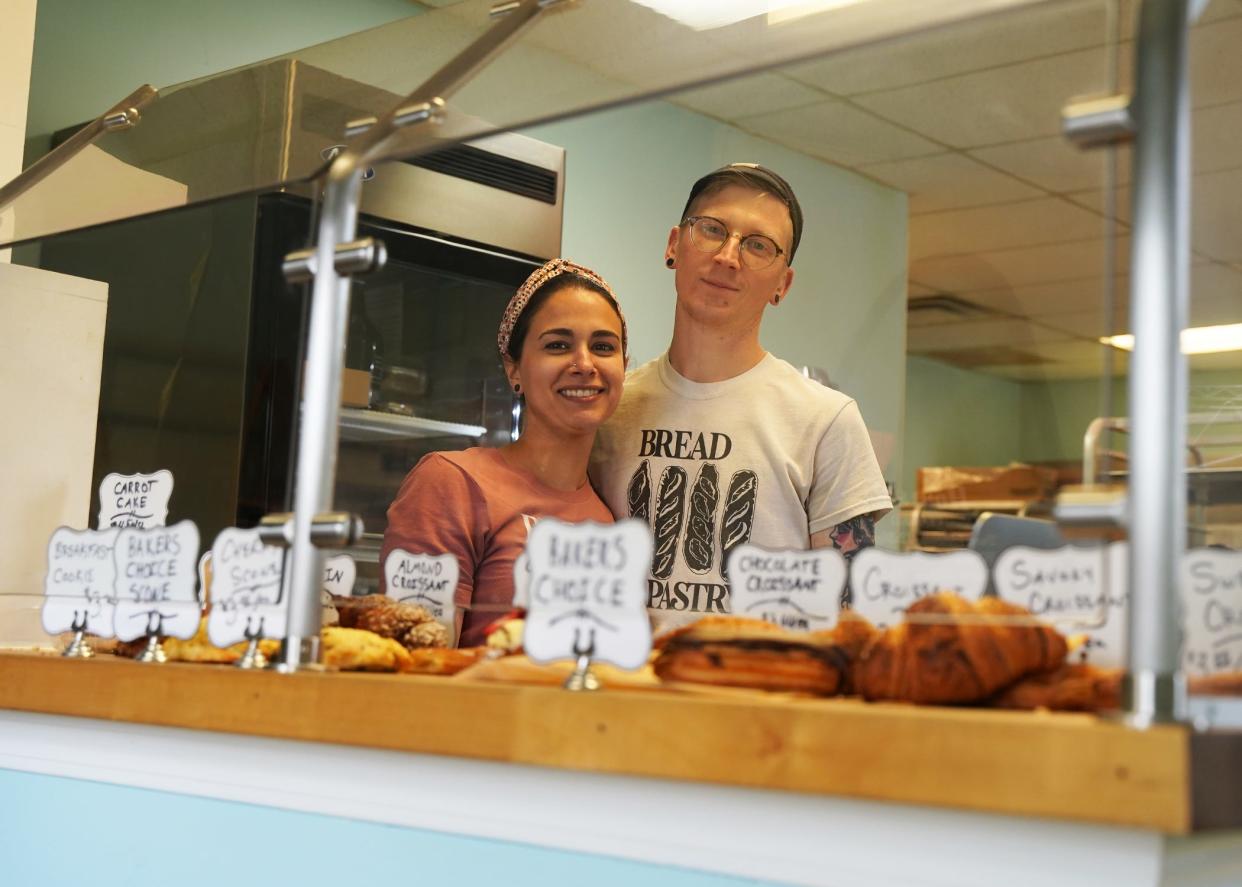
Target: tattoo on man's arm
column 851, row 536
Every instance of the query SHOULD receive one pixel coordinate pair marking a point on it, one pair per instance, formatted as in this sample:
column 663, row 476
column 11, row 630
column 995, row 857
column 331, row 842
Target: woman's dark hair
column 562, row 281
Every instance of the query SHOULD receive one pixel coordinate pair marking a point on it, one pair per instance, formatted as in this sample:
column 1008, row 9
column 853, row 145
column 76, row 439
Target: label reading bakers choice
column 798, row 590
column 428, row 580
column 1078, row 590
column 246, row 595
column 588, row 591
column 156, row 581
column 135, row 500
column 1212, row 611
column 884, row 583
column 79, row 592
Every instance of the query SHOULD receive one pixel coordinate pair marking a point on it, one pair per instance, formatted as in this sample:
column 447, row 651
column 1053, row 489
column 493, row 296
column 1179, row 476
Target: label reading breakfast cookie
column 79, row 593
column 246, row 594
column 156, row 581
column 884, row 583
column 1077, row 590
column 588, row 591
column 430, row 581
column 135, row 500
column 797, row 590
column 1212, row 611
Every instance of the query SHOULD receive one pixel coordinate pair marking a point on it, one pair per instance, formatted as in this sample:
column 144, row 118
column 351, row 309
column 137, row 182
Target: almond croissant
column 965, row 652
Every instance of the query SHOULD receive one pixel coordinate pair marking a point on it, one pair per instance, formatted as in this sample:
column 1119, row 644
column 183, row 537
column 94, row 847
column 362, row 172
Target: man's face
column 717, row 289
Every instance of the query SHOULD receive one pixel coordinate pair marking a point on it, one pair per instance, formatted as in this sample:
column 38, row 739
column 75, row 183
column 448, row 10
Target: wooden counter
column 1056, row 765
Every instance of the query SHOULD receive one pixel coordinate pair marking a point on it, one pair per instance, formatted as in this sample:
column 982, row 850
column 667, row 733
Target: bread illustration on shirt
column 670, row 508
column 638, row 494
column 700, row 545
column 739, row 515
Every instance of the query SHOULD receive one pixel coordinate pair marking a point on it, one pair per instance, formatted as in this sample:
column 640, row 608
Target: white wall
column 16, row 47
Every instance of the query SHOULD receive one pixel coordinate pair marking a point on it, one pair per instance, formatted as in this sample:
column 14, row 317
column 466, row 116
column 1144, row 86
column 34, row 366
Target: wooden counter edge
column 1055, row 765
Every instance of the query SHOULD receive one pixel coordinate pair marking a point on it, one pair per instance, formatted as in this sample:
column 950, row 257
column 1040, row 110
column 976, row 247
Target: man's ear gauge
column 669, row 261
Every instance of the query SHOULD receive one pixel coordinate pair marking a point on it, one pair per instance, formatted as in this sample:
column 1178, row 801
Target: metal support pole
column 1154, row 690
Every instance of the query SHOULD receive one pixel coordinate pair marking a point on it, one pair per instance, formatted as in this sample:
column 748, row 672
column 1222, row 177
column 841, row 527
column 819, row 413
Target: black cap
column 760, row 178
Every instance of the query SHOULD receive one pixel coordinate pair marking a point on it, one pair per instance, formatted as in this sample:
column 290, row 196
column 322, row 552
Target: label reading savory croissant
column 588, row 591
column 156, row 582
column 135, row 500
column 247, row 599
column 428, row 580
column 1212, row 611
column 797, row 590
column 79, row 590
column 884, row 583
column 1081, row 590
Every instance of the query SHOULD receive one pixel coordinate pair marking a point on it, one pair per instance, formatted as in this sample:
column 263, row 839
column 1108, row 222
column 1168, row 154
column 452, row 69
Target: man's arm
column 848, row 537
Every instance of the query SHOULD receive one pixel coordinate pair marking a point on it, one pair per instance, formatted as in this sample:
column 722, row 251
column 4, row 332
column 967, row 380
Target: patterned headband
column 552, row 269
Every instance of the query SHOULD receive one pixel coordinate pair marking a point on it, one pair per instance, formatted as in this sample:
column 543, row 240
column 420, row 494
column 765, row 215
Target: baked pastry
column 950, row 650
column 505, row 635
column 353, row 649
column 441, row 661
column 411, row 625
column 732, row 651
column 1072, row 687
column 197, row 648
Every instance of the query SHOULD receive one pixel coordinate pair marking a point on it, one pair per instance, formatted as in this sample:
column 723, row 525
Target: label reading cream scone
column 1077, row 590
column 797, row 590
column 884, row 583
column 1212, row 611
column 588, row 591
column 246, row 594
column 428, row 580
column 156, row 581
column 135, row 500
column 79, row 590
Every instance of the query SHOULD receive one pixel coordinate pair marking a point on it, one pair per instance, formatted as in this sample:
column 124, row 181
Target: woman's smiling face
column 572, row 363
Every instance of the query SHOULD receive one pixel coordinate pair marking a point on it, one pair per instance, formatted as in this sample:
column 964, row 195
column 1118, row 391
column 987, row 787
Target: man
column 718, row 443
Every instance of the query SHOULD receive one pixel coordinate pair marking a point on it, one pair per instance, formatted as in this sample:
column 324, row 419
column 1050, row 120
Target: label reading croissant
column 79, row 592
column 135, row 500
column 884, row 583
column 246, row 595
column 588, row 591
column 797, row 590
column 1212, row 611
column 427, row 580
column 1078, row 590
column 157, row 582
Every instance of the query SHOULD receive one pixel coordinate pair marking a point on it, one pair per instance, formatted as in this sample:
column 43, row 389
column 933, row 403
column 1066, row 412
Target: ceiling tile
column 1215, row 63
column 957, row 49
column 746, row 96
column 1054, row 164
column 1002, row 226
column 1214, row 142
column 1007, row 104
column 1045, row 299
column 947, row 181
column 1016, row 333
column 839, row 133
column 1216, row 215
column 1006, row 269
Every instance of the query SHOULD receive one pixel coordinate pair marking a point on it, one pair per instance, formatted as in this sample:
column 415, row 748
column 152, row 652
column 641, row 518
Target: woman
column 563, row 343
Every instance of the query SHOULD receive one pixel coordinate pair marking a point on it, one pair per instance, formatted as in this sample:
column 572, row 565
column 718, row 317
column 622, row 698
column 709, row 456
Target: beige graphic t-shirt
column 768, row 457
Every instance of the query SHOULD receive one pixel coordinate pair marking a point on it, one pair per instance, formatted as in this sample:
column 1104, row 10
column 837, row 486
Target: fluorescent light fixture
column 703, row 15
column 1195, row 340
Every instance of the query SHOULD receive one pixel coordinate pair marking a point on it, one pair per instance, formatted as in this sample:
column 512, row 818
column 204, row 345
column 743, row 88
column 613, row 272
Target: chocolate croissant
column 949, row 650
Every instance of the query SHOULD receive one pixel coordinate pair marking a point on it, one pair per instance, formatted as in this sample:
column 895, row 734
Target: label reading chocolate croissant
column 797, row 590
column 430, row 581
column 588, row 591
column 246, row 596
column 884, row 583
column 156, row 582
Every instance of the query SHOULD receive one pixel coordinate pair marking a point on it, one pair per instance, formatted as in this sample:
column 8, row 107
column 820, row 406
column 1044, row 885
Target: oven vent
column 494, row 170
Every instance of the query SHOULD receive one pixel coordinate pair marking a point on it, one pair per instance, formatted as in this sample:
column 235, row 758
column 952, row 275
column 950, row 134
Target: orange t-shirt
column 474, row 505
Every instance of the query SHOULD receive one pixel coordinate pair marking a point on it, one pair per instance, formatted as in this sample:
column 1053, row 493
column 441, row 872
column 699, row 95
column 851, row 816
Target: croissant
column 964, row 651
column 1076, row 687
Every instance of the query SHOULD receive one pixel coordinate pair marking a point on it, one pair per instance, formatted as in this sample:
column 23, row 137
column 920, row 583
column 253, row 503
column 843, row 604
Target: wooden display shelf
column 1058, row 765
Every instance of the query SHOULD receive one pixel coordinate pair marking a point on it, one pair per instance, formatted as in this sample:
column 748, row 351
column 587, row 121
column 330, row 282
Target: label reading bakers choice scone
column 797, row 590
column 430, row 581
column 246, row 595
column 588, row 591
column 79, row 588
column 884, row 583
column 135, row 500
column 156, row 582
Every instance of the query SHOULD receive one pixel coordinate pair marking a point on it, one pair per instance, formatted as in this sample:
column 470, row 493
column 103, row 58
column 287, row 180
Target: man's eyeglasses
column 757, row 251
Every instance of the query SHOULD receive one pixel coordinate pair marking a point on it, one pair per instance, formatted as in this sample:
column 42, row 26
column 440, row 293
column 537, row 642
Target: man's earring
column 669, row 261
column 517, row 388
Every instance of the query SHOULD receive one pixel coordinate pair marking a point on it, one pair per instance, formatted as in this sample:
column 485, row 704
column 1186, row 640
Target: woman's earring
column 776, row 300
column 669, row 261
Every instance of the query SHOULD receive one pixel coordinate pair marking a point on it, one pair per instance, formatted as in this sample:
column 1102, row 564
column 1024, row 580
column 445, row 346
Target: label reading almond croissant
column 588, row 591
column 427, row 580
column 884, row 583
column 1077, row 590
column 156, row 582
column 797, row 590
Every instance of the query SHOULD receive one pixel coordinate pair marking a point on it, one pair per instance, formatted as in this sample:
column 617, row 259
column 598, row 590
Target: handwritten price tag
column 588, row 589
column 135, row 500
column 339, row 574
column 78, row 589
column 156, row 582
column 427, row 580
column 884, row 583
column 246, row 596
column 798, row 590
column 1079, row 590
column 1212, row 611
